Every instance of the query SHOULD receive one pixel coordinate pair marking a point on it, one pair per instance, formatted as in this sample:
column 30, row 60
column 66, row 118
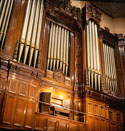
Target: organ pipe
column 30, row 37
column 110, row 69
column 58, row 49
column 55, row 49
column 93, row 56
column 29, row 31
column 38, row 33
column 52, row 49
column 50, row 44
column 34, row 35
column 25, row 26
column 5, row 14
column 6, row 22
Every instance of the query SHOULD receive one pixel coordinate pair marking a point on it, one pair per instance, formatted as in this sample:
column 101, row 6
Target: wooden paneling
column 62, row 126
column 33, row 92
column 96, row 109
column 51, row 125
column 91, row 123
column 73, row 127
column 102, row 125
column 102, row 111
column 20, row 112
column 39, row 123
column 13, row 86
column 90, row 108
column 23, row 89
column 30, row 114
column 96, row 124
column 9, row 109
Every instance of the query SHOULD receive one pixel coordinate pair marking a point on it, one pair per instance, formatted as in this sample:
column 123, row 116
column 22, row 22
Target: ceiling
column 115, row 10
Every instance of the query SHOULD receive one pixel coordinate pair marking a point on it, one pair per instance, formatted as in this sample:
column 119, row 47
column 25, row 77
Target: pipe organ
column 6, row 7
column 59, row 70
column 110, row 68
column 58, row 51
column 30, row 38
column 94, row 74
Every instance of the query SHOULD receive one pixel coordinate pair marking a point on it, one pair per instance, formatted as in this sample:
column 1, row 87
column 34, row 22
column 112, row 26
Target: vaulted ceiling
column 115, row 10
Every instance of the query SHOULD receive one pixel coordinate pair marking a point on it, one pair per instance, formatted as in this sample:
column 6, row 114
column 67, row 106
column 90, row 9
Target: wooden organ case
column 58, row 68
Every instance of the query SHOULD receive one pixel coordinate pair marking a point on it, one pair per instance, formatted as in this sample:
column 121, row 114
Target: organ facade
column 59, row 70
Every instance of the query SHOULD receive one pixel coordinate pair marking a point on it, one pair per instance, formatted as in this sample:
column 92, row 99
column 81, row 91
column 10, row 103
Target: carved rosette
column 59, row 76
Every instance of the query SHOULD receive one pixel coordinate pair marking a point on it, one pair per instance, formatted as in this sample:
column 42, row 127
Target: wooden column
column 44, row 44
column 15, row 27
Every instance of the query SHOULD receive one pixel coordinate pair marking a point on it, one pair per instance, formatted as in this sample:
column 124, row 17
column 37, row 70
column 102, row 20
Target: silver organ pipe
column 93, row 56
column 58, row 51
column 29, row 31
column 110, row 69
column 30, row 37
column 5, row 13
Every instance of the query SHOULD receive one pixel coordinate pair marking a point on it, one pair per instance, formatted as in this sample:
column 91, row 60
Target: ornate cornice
column 108, row 37
column 65, row 11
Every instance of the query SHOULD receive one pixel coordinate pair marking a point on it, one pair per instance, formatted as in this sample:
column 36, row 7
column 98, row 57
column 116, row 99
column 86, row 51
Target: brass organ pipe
column 55, row 49
column 90, row 36
column 88, row 52
column 38, row 33
column 113, row 70
column 34, row 34
column 1, row 2
column 91, row 52
column 93, row 46
column 2, row 13
column 116, row 90
column 67, row 53
column 25, row 26
column 58, row 48
column 88, row 47
column 3, row 19
column 7, row 22
column 52, row 51
column 50, row 44
column 29, row 31
column 94, row 52
column 62, row 42
column 98, row 66
column 64, row 58
column 105, row 62
column 109, row 73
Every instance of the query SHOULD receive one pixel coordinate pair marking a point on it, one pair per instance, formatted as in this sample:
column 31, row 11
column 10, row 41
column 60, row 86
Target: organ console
column 59, row 69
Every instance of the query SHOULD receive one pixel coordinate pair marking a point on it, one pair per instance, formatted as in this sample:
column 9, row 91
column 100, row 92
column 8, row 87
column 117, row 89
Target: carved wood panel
column 30, row 110
column 33, row 92
column 20, row 112
column 40, row 123
column 9, row 109
column 13, row 86
column 62, row 126
column 51, row 125
column 73, row 127
column 23, row 89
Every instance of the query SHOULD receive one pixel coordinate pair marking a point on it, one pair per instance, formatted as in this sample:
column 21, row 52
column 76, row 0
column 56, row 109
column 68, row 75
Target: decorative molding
column 108, row 37
column 93, row 12
column 59, row 76
column 12, row 66
column 63, row 9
